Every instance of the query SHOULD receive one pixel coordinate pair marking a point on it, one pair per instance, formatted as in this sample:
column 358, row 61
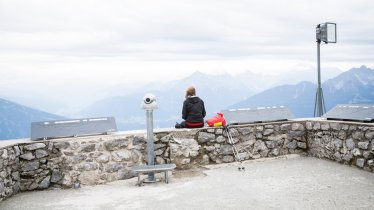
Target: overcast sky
column 73, row 42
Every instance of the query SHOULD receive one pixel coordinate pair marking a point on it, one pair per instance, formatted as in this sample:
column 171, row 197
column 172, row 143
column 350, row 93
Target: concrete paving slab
column 283, row 183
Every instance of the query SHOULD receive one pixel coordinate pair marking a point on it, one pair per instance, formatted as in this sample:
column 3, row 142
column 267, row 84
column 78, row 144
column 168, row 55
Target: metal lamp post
column 325, row 32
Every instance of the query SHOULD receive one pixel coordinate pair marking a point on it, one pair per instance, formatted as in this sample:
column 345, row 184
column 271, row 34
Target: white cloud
column 113, row 41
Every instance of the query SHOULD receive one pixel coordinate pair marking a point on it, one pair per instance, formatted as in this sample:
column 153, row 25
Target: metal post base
column 147, row 180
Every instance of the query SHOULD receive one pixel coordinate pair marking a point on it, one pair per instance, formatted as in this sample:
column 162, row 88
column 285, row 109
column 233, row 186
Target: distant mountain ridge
column 218, row 91
column 353, row 86
column 15, row 119
column 298, row 98
column 66, row 101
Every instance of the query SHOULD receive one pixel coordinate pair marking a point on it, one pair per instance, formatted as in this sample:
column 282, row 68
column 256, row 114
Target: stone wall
column 211, row 145
column 94, row 160
column 347, row 143
column 9, row 171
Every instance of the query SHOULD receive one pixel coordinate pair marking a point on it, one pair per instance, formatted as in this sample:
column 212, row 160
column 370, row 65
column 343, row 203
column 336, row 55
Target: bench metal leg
column 139, row 180
column 166, row 177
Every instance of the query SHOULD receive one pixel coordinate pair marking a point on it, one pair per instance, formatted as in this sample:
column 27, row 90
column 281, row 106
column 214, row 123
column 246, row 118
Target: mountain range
column 225, row 91
column 350, row 87
column 218, row 91
column 68, row 100
column 15, row 119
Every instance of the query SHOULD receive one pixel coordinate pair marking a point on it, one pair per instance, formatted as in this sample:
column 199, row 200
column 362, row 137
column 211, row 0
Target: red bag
column 216, row 121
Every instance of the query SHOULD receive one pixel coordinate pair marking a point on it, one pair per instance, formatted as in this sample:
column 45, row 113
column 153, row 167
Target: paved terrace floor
column 290, row 182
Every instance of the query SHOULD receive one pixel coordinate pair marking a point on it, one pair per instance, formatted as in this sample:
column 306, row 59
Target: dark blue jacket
column 193, row 110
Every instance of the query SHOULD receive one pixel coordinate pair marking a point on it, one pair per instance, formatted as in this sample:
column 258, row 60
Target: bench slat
column 148, row 168
column 153, row 168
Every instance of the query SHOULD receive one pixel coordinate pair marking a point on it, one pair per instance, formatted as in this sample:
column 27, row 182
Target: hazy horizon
column 75, row 49
column 45, row 98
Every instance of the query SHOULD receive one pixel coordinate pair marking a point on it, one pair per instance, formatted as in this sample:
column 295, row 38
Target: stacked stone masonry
column 350, row 144
column 94, row 160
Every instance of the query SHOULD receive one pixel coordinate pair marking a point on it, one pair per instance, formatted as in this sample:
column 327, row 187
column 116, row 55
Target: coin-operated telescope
column 149, row 104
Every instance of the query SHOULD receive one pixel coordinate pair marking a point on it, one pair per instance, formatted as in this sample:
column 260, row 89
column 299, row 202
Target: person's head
column 190, row 91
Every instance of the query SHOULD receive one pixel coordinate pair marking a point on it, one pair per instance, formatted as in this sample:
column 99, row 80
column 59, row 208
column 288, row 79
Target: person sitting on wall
column 193, row 111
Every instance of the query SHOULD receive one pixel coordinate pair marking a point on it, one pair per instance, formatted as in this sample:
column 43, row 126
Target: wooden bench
column 153, row 168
